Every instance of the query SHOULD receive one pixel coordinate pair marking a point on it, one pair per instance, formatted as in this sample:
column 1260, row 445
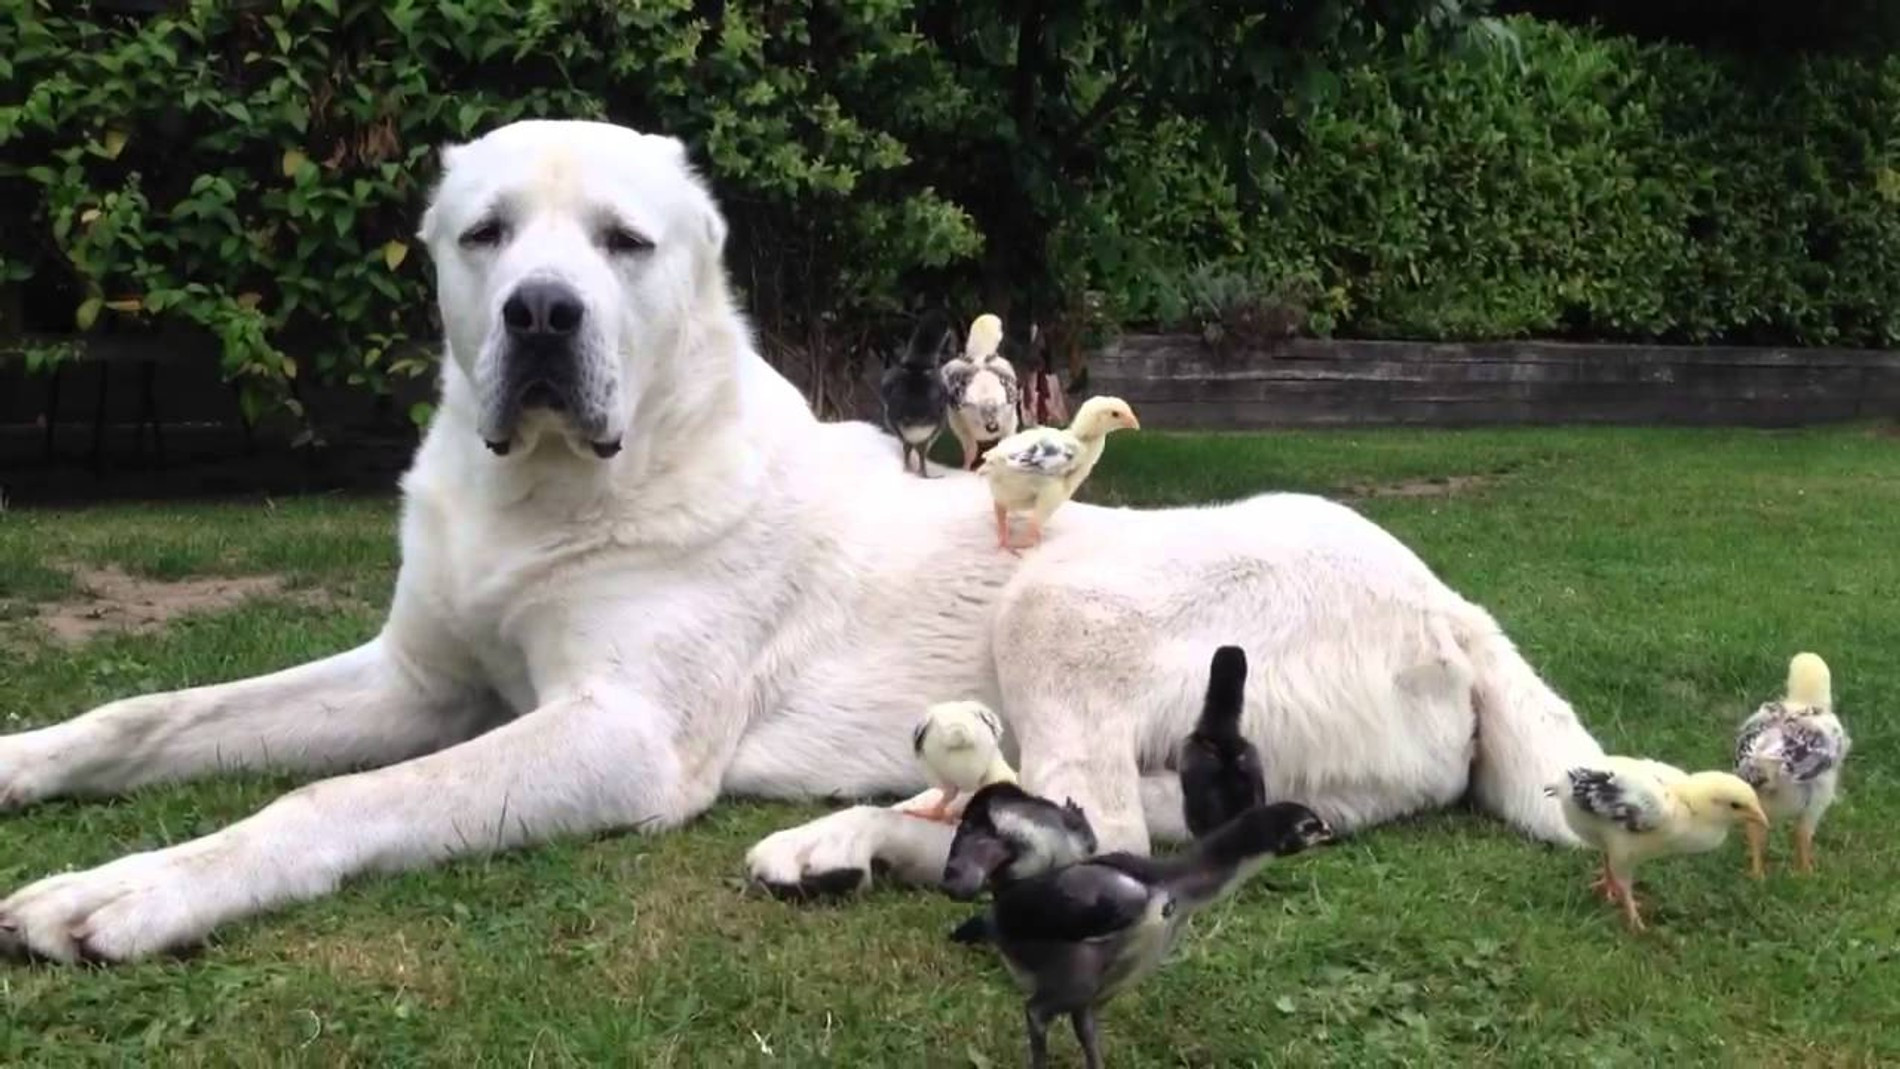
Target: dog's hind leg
column 579, row 766
column 1069, row 707
column 355, row 709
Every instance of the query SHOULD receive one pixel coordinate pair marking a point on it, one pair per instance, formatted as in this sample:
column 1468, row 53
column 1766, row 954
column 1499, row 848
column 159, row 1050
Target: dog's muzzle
column 543, row 321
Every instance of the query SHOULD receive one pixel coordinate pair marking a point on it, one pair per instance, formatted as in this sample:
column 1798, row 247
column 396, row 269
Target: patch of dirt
column 114, row 600
column 1440, row 486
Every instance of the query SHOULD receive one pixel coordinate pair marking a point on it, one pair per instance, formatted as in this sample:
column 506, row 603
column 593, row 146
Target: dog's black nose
column 542, row 308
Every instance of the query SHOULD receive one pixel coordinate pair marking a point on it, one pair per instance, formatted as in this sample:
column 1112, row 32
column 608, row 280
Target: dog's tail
column 1527, row 735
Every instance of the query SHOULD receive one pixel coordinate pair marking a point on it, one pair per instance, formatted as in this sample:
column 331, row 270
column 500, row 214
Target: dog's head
column 569, row 259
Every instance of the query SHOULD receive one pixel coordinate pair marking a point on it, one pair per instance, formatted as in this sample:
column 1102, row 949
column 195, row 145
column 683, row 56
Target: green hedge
column 257, row 169
column 1569, row 185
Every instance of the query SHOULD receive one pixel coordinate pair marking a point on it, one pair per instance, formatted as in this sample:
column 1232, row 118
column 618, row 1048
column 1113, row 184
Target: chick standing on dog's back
column 1038, row 470
column 916, row 402
column 984, row 395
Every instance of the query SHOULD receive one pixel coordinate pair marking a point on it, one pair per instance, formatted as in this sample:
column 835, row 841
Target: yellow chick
column 985, row 337
column 961, row 746
column 1036, row 470
column 1791, row 751
column 1634, row 809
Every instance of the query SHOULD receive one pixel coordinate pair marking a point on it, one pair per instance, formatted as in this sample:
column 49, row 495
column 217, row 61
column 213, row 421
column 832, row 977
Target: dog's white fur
column 747, row 601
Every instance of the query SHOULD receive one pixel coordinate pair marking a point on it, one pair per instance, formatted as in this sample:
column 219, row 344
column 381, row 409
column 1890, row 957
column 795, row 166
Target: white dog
column 637, row 574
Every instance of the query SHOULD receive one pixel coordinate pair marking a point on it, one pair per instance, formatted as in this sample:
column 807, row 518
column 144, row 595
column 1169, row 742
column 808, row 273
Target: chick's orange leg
column 938, row 811
column 1804, row 848
column 1002, row 529
column 1605, row 884
column 1631, row 914
column 1758, row 850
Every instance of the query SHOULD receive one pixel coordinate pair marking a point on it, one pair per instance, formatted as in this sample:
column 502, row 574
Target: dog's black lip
column 500, row 448
column 606, row 449
column 540, row 393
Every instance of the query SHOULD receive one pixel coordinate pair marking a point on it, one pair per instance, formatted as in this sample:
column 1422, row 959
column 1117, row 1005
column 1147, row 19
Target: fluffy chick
column 960, row 745
column 1036, row 470
column 1634, row 809
column 1077, row 936
column 1220, row 770
column 1007, row 835
column 1791, row 752
column 916, row 402
column 985, row 396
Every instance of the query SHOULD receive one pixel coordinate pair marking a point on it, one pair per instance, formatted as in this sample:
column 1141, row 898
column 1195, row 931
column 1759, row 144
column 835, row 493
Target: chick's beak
column 1757, row 818
column 1133, row 423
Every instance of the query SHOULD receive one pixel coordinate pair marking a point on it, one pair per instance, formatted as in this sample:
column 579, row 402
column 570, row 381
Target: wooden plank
column 1190, row 349
column 1178, row 381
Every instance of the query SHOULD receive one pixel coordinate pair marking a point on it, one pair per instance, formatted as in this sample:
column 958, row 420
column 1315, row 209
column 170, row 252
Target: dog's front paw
column 22, row 769
column 838, row 854
column 133, row 907
column 826, row 858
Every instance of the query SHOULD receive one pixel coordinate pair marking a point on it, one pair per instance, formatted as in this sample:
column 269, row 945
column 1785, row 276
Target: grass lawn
column 1660, row 579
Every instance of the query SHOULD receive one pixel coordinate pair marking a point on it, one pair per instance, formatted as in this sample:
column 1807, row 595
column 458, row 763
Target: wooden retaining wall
column 1178, row 381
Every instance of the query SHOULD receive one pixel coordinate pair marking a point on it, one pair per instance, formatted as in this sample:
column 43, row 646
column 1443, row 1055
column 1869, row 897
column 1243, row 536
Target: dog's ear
column 715, row 227
column 447, row 154
column 713, row 221
column 672, row 146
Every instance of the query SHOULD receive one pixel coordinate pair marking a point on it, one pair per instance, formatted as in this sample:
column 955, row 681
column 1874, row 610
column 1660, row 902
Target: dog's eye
column 621, row 240
column 484, row 234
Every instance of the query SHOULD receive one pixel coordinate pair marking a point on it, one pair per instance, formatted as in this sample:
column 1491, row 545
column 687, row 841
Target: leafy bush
column 1767, row 28
column 257, row 169
column 1573, row 185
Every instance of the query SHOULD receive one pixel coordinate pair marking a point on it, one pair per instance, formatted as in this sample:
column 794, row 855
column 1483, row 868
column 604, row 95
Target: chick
column 1007, row 835
column 1634, row 809
column 1791, row 752
column 960, row 745
column 985, row 397
column 1220, row 770
column 1036, row 470
column 916, row 402
column 1075, row 937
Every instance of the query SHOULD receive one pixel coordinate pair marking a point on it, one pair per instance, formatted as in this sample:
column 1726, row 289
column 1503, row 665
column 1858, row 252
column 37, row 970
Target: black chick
column 1005, row 835
column 916, row 402
column 1221, row 774
column 1077, row 936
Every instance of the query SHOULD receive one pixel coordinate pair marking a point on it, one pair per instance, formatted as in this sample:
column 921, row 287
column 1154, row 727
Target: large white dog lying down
column 637, row 574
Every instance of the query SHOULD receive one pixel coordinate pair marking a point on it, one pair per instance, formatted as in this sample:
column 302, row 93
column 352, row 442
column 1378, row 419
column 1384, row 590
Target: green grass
column 1660, row 579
